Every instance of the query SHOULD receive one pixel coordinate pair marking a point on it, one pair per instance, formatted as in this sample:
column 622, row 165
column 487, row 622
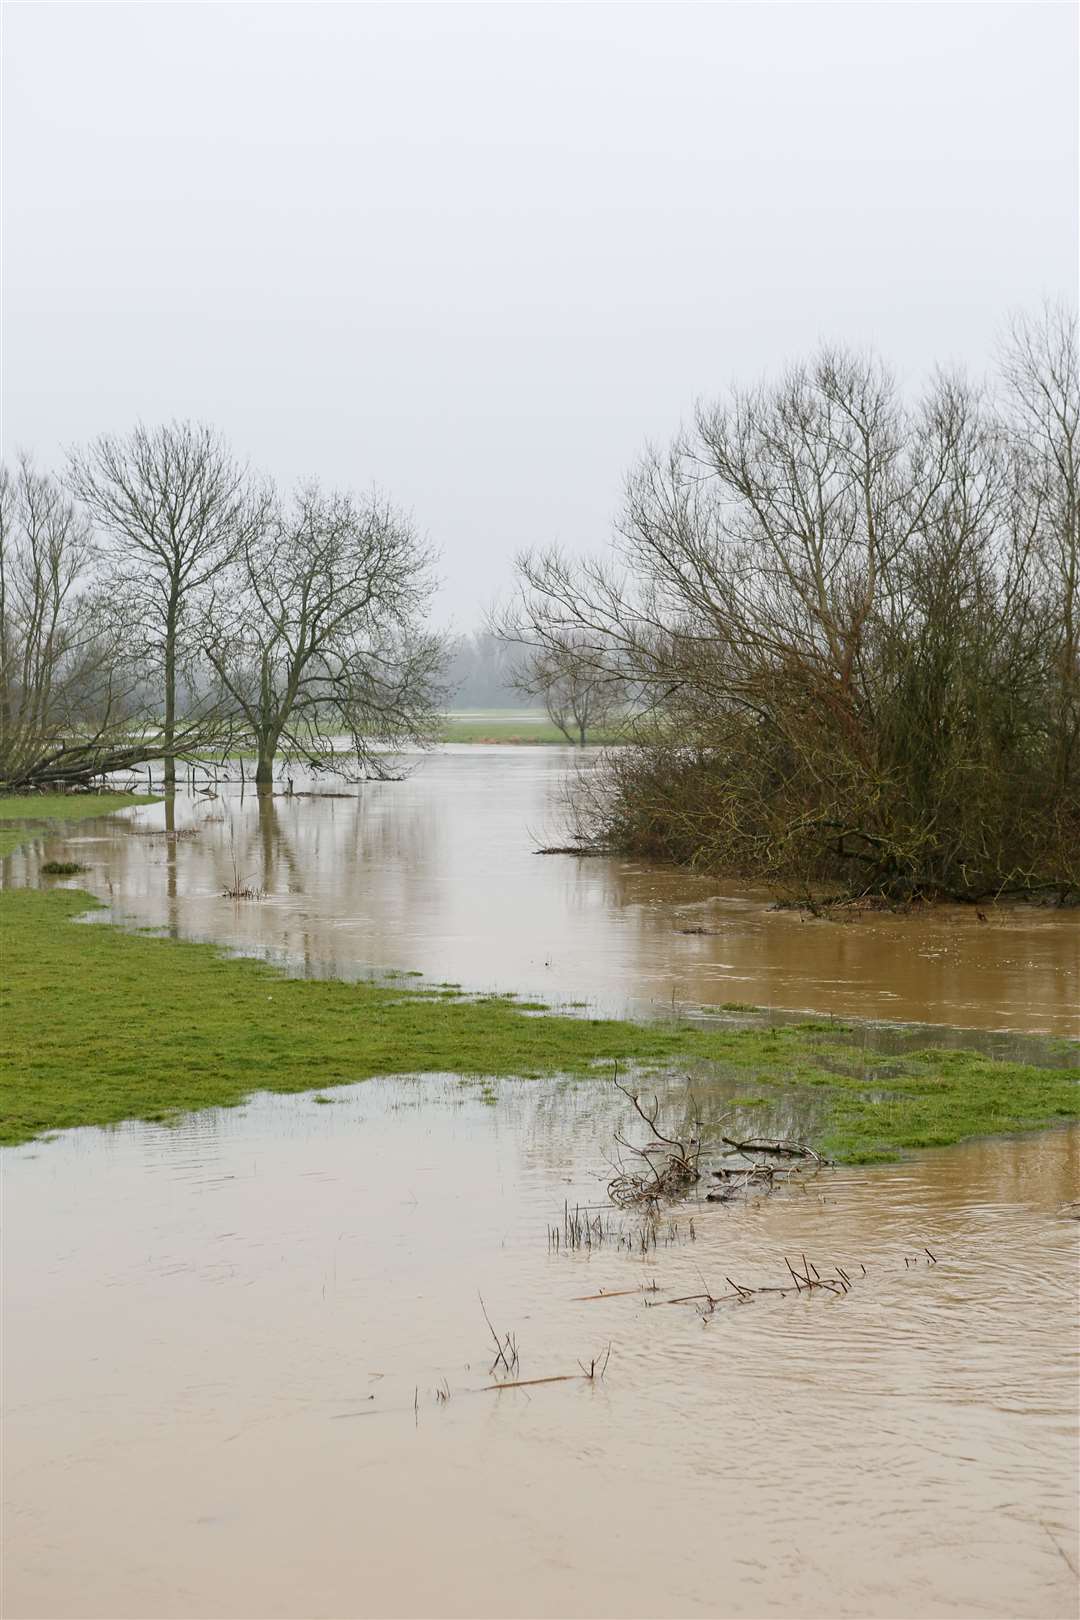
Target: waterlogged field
column 29, row 817
column 150, row 1028
column 251, row 1357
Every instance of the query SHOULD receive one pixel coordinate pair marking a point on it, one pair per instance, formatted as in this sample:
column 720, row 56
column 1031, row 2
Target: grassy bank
column 25, row 815
column 101, row 1026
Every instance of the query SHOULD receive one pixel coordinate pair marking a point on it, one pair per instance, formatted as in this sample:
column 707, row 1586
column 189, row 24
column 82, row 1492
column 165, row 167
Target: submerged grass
column 27, row 815
column 102, row 1025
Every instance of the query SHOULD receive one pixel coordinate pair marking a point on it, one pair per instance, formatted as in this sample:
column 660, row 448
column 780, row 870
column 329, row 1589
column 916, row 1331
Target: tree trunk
column 264, row 773
column 170, row 694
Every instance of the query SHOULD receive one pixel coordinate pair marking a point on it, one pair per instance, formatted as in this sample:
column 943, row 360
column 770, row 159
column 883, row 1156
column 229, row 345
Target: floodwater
column 438, row 874
column 225, row 1342
column 248, row 1372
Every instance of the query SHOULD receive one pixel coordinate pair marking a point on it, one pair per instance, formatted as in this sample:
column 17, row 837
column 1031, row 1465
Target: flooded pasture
column 437, row 874
column 226, row 1345
column 248, row 1371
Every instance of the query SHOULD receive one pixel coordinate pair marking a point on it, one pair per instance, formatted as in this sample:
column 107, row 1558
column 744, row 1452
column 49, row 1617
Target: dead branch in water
column 677, row 1167
column 242, row 891
column 573, row 849
column 754, row 1178
column 617, row 1293
column 780, row 1150
column 804, row 1281
column 591, row 1374
column 528, row 1383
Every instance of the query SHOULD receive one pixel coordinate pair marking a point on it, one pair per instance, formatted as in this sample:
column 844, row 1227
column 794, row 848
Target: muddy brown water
column 437, row 874
column 224, row 1341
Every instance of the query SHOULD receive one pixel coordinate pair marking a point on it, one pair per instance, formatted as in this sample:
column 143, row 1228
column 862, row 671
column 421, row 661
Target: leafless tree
column 578, row 699
column 850, row 627
column 171, row 509
column 317, row 626
column 71, row 689
column 1041, row 368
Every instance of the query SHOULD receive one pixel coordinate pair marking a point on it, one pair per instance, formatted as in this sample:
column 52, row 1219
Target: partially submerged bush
column 853, row 631
column 62, row 868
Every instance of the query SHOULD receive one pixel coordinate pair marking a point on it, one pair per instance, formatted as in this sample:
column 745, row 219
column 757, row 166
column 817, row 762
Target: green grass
column 523, row 726
column 102, row 1025
column 511, row 726
column 28, row 815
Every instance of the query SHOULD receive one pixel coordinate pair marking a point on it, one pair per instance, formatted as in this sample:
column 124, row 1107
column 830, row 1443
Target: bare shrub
column 850, row 628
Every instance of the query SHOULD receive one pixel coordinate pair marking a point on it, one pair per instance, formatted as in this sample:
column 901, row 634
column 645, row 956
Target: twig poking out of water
column 582, row 1228
column 596, row 1367
column 242, row 891
column 1060, row 1548
column 591, row 1374
column 805, row 1279
column 666, row 1167
column 506, row 1351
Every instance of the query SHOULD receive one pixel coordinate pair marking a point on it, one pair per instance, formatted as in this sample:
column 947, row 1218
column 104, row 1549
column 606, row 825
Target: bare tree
column 171, row 508
column 1041, row 368
column 577, row 698
column 850, row 627
column 71, row 690
column 317, row 626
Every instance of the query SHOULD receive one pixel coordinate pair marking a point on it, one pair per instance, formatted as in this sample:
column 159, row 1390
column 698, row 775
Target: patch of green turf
column 102, row 1025
column 512, row 726
column 28, row 815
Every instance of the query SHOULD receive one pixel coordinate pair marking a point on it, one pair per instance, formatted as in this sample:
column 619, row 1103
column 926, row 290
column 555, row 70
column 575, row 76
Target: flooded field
column 438, row 874
column 226, row 1345
column 248, row 1371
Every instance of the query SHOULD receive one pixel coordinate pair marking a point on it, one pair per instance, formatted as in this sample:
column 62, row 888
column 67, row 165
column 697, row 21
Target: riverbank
column 104, row 1025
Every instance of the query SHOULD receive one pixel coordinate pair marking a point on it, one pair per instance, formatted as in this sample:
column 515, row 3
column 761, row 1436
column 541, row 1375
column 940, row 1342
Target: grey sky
column 479, row 254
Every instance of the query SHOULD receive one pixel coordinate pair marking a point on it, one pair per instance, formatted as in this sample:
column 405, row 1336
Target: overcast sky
column 479, row 255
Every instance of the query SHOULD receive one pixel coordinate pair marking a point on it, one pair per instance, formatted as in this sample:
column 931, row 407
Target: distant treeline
column 480, row 673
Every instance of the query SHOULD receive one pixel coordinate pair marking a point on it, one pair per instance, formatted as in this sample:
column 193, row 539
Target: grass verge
column 102, row 1026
